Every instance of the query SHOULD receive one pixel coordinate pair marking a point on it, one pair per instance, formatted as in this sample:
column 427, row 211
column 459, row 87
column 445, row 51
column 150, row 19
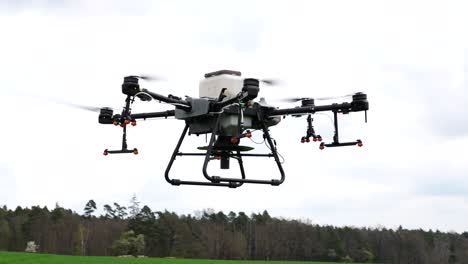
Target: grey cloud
column 3, row 171
column 443, row 188
column 242, row 36
column 443, row 181
column 444, row 101
column 14, row 6
column 237, row 26
column 7, row 185
column 69, row 7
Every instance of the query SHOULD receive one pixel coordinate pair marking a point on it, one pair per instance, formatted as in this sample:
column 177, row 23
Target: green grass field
column 28, row 258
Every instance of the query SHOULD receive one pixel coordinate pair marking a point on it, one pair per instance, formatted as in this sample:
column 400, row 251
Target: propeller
column 293, row 99
column 84, row 107
column 47, row 99
column 271, row 81
column 149, row 77
column 299, row 99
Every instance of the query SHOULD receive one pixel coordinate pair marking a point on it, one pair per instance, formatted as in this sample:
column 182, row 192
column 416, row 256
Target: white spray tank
column 214, row 82
column 211, row 87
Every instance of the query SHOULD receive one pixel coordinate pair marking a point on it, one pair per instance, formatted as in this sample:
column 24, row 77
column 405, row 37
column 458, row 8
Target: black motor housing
column 130, row 85
column 359, row 102
column 251, row 88
column 106, row 116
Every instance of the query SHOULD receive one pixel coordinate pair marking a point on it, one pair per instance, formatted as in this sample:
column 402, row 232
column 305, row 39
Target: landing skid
column 224, row 156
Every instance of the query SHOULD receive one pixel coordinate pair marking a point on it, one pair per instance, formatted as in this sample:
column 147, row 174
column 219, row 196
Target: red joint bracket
column 359, row 143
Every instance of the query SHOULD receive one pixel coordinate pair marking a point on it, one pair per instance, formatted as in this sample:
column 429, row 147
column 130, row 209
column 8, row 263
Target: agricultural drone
column 226, row 109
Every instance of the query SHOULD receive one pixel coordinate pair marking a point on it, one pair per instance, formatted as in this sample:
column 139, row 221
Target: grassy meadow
column 29, row 258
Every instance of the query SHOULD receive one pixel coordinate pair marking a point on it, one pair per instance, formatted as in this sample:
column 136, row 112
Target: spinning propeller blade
column 62, row 102
column 298, row 99
column 271, row 81
column 149, row 77
column 84, row 107
column 293, row 99
column 335, row 97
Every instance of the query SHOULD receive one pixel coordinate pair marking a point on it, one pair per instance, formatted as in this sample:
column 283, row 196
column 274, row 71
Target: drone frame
column 262, row 114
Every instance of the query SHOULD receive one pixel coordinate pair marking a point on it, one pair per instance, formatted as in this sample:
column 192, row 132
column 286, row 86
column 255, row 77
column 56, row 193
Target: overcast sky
column 410, row 57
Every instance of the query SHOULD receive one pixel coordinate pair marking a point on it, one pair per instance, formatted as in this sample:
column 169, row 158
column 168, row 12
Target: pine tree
column 134, row 207
column 89, row 208
column 120, row 211
column 79, row 240
column 4, row 234
column 110, row 212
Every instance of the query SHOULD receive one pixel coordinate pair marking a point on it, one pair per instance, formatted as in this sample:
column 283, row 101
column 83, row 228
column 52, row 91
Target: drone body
column 226, row 109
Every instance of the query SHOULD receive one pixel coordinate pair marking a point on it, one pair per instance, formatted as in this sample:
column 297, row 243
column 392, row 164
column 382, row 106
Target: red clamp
column 359, row 143
column 247, row 134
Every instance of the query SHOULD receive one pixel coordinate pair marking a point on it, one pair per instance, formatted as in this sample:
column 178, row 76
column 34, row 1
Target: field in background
column 29, row 258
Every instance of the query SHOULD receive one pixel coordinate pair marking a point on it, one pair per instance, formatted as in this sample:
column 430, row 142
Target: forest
column 218, row 235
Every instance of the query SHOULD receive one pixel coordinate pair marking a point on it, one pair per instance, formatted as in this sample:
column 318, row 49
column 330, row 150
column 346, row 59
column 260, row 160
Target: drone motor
column 130, row 86
column 106, row 115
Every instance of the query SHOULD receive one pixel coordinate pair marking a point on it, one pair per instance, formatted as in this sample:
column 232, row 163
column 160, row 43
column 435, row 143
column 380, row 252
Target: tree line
column 217, row 235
